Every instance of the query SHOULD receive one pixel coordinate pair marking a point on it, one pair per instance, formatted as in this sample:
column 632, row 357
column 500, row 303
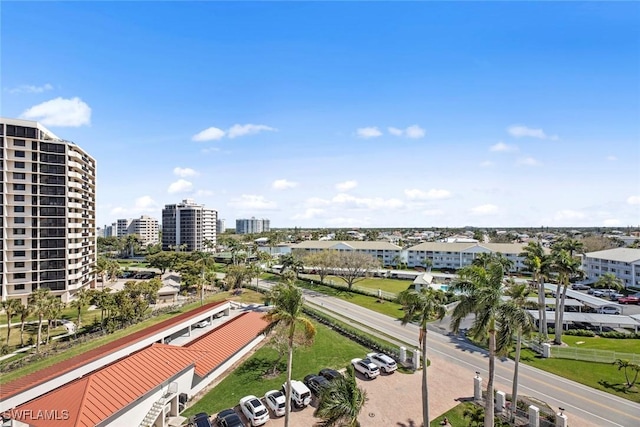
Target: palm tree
column 565, row 266
column 288, row 301
column 82, row 300
column 101, row 268
column 423, row 306
column 626, row 365
column 397, row 261
column 475, row 415
column 571, row 245
column 24, row 311
column 40, row 301
column 481, row 293
column 538, row 263
column 427, row 264
column 205, row 261
column 341, row 402
column 609, row 281
column 482, row 259
column 54, row 310
column 10, row 307
column 514, row 318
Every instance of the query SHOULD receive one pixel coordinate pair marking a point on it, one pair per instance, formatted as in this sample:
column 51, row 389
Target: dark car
column 316, row 383
column 330, row 374
column 229, row 418
column 201, row 420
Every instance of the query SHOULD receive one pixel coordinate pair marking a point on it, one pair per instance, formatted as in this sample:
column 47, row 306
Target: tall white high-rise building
column 252, row 225
column 146, row 228
column 188, row 226
column 48, row 228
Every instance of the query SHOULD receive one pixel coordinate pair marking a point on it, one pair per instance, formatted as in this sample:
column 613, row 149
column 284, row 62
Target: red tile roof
column 99, row 395
column 28, row 381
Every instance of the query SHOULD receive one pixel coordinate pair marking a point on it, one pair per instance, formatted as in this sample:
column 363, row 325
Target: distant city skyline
column 323, row 114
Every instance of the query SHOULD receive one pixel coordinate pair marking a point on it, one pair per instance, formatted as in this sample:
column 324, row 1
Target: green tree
column 421, row 307
column 609, row 281
column 538, row 263
column 427, row 264
column 341, row 402
column 475, row 414
column 40, row 300
column 323, row 262
column 288, row 302
column 565, row 267
column 237, row 275
column 162, row 260
column 480, row 292
column 54, row 310
column 355, row 266
column 205, row 261
column 627, row 365
column 24, row 311
column 10, row 308
column 291, row 261
column 83, row 298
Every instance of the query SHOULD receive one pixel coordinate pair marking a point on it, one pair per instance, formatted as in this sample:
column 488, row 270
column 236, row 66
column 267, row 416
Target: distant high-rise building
column 110, row 230
column 48, row 228
column 189, row 224
column 146, row 228
column 220, row 226
column 252, row 226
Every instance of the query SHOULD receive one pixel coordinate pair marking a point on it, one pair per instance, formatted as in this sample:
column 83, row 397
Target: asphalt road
column 600, row 408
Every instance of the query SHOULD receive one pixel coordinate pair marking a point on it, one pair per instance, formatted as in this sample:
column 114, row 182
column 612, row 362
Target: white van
column 300, row 393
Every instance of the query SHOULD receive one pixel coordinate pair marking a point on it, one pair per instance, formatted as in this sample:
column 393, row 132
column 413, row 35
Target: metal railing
column 591, row 355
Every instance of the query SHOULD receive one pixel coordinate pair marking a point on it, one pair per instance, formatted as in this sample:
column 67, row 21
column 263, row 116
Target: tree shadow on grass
column 409, row 423
column 617, row 387
column 256, row 367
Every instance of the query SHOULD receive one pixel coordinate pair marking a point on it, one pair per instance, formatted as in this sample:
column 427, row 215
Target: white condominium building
column 252, row 226
column 623, row 262
column 188, row 226
column 387, row 253
column 146, row 228
column 48, row 228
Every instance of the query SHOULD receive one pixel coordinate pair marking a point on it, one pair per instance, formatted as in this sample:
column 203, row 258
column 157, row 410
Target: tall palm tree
column 538, row 263
column 24, row 311
column 482, row 259
column 288, row 301
column 481, row 294
column 423, row 306
column 573, row 246
column 514, row 318
column 54, row 310
column 427, row 264
column 11, row 308
column 205, row 261
column 101, row 268
column 565, row 266
column 341, row 402
column 82, row 300
column 40, row 300
column 609, row 281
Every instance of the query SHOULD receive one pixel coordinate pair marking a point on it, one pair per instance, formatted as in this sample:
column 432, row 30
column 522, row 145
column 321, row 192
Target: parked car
column 603, row 292
column 276, row 400
column 609, row 310
column 580, row 287
column 615, row 296
column 203, row 324
column 366, row 367
column 300, row 393
column 201, row 420
column 316, row 383
column 629, row 300
column 330, row 374
column 384, row 362
column 254, row 410
column 229, row 418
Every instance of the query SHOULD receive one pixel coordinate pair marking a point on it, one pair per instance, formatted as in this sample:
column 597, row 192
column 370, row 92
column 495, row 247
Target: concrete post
column 546, row 350
column 403, row 354
column 534, row 416
column 416, row 359
column 561, row 419
column 477, row 387
column 501, row 398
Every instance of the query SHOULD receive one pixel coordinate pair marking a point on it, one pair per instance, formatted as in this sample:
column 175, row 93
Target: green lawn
column 374, row 283
column 597, row 343
column 454, row 415
column 330, row 350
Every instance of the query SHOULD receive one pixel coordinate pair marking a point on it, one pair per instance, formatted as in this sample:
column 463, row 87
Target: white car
column 276, row 401
column 203, row 324
column 254, row 410
column 609, row 310
column 366, row 368
column 382, row 361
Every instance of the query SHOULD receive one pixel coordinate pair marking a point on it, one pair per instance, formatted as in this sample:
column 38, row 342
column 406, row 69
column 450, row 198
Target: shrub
column 580, row 333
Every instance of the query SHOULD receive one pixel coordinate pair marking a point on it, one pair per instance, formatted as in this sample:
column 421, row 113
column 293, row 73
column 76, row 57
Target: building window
column 20, row 276
column 18, row 143
column 18, row 208
column 18, row 187
column 18, row 198
column 19, row 154
column 19, row 175
column 19, row 165
column 20, row 264
column 19, row 231
column 19, row 242
column 19, row 287
column 18, row 253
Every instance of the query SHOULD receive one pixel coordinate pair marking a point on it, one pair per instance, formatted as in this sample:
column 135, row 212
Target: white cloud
column 611, row 222
column 568, row 214
column 502, row 147
column 415, row 194
column 520, row 131
column 611, row 158
column 184, row 172
column 528, row 161
column 180, row 186
column 346, row 186
column 350, row 201
column 414, row 132
column 252, row 201
column 60, row 112
column 486, row 164
column 210, row 150
column 487, row 209
column 204, row 193
column 141, row 205
column 31, row 88
column 209, row 134
column 309, row 213
column 633, row 200
column 395, row 131
column 316, row 202
column 433, row 212
column 370, row 132
column 248, row 129
column 283, row 184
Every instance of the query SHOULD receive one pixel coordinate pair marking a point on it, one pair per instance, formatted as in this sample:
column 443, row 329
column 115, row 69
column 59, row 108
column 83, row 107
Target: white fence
column 590, row 355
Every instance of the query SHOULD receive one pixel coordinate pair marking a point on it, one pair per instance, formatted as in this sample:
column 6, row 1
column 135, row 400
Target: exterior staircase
column 152, row 415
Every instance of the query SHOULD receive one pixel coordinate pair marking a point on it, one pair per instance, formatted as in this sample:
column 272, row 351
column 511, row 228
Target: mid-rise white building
column 189, row 226
column 387, row 253
column 623, row 262
column 252, row 226
column 146, row 228
column 48, row 228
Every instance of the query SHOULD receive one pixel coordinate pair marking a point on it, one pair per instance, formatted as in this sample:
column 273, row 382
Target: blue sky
column 341, row 114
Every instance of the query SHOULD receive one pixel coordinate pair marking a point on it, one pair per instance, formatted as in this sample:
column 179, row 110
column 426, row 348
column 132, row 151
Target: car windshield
column 260, row 412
